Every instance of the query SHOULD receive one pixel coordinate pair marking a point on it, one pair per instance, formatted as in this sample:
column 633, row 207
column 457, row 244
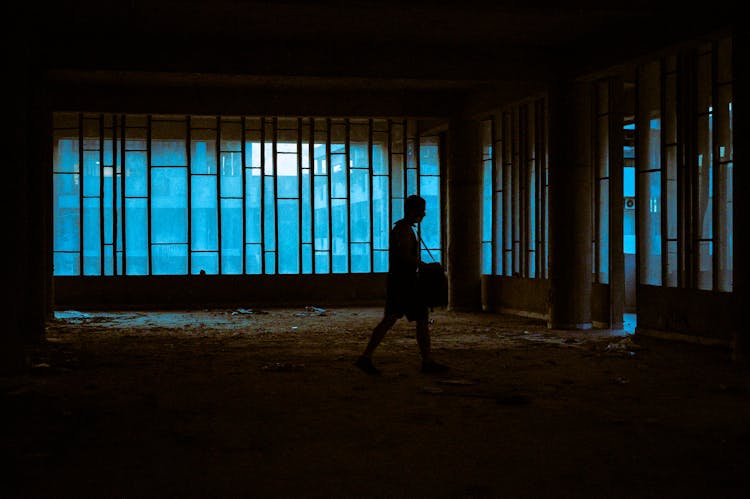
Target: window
column 158, row 194
column 515, row 191
column 684, row 169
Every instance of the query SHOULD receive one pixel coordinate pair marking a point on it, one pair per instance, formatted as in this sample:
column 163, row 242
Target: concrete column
column 570, row 171
column 741, row 202
column 464, row 198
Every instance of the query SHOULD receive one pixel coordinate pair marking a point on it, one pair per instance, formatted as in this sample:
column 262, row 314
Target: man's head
column 414, row 208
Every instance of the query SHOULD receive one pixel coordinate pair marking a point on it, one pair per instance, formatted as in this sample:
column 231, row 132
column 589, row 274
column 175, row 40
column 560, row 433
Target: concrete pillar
column 741, row 202
column 464, row 198
column 570, row 171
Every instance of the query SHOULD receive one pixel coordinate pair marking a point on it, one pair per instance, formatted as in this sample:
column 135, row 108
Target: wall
column 695, row 315
column 246, row 291
column 527, row 297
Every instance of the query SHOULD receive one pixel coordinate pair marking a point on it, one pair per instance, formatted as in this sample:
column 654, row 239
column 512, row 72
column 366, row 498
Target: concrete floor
column 266, row 403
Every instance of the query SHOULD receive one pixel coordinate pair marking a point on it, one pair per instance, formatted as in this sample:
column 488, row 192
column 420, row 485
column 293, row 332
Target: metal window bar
column 347, row 178
column 243, row 175
column 715, row 158
column 300, row 222
column 122, row 197
column 189, row 152
column 115, row 237
column 218, row 194
column 664, row 180
column 372, row 194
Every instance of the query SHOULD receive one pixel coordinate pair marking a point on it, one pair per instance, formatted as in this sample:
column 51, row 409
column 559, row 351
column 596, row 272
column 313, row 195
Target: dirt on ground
column 267, row 403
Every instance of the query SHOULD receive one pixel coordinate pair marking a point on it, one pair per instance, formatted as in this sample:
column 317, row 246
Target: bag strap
column 426, row 248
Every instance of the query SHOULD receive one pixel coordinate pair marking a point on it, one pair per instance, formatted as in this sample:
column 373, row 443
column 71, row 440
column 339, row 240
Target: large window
column 158, row 194
column 684, row 169
column 515, row 187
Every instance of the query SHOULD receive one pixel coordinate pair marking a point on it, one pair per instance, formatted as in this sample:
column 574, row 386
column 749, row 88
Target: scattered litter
column 283, row 367
column 625, row 345
column 432, row 389
column 42, row 365
column 311, row 311
column 71, row 315
column 457, row 381
column 295, row 327
column 623, row 381
column 248, row 311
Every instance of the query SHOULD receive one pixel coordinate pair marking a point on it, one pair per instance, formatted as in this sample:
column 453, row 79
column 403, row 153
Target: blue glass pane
column 321, row 262
column 136, row 174
column 91, row 173
column 269, row 216
column 380, row 261
column 108, row 206
column 207, row 262
column 429, row 160
column 203, row 152
column 338, row 176
column 359, row 155
column 379, row 155
column 307, row 258
column 169, row 205
column 288, row 237
column 92, row 253
column 360, row 257
column 360, row 205
column 288, row 186
column 65, row 154
column 231, row 174
column 306, row 208
column 136, row 236
column 252, row 205
column 381, row 225
column 321, row 214
column 486, row 258
column 231, row 236
column 430, row 226
column 253, row 264
column 66, row 213
column 169, row 259
column 270, row 262
column 340, row 236
column 168, row 152
column 204, row 216
column 66, row 264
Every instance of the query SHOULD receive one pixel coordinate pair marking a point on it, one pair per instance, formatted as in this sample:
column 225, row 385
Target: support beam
column 570, row 206
column 464, row 190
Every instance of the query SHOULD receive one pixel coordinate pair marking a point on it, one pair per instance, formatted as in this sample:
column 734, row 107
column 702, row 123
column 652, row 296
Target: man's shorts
column 402, row 299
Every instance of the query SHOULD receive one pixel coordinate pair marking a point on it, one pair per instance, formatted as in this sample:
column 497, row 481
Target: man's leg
column 378, row 333
column 423, row 340
column 364, row 362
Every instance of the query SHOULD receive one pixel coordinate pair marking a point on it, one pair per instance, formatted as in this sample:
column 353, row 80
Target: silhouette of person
column 402, row 296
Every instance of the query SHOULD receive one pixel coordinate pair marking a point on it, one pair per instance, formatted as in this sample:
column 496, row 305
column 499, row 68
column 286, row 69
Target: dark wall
column 701, row 314
column 513, row 294
column 171, row 292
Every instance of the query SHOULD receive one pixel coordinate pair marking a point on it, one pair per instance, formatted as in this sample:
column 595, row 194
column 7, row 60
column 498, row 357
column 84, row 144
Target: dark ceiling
column 368, row 45
column 332, row 38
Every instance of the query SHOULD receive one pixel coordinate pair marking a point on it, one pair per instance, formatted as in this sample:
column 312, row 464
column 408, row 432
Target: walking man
column 402, row 294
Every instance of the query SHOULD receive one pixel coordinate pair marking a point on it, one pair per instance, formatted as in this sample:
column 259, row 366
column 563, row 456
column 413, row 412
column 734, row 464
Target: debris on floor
column 283, row 367
column 311, row 311
column 248, row 311
column 626, row 345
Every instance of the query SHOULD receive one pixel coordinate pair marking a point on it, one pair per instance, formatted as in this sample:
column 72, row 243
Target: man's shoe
column 432, row 367
column 365, row 365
